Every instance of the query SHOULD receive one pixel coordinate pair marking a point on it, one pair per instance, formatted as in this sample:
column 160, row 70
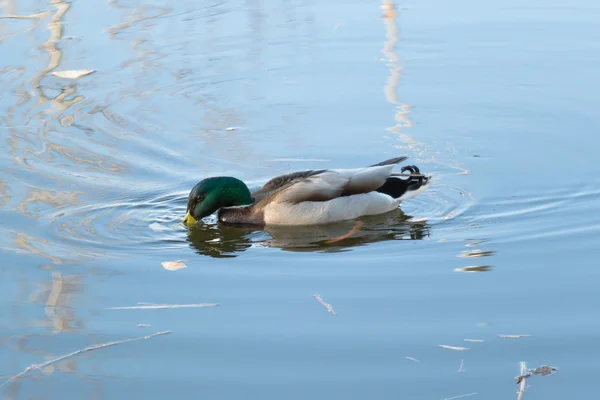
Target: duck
column 310, row 197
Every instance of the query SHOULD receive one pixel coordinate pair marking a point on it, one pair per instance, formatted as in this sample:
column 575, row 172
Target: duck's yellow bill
column 189, row 220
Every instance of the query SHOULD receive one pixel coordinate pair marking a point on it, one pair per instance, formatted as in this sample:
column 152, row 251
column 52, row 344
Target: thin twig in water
column 457, row 348
column 326, row 305
column 412, row 359
column 461, row 368
column 158, row 306
column 513, row 336
column 461, row 396
column 74, row 353
column 524, row 378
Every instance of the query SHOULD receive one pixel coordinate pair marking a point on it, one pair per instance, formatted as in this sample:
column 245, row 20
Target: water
column 496, row 100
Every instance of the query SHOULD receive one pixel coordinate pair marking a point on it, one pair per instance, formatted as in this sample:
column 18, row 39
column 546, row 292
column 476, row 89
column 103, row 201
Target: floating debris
column 474, row 340
column 173, row 265
column 326, row 305
column 73, row 74
column 513, row 336
column 412, row 359
column 461, row 368
column 476, row 253
column 143, row 326
column 543, row 370
column 473, row 268
column 160, row 306
column 456, row 348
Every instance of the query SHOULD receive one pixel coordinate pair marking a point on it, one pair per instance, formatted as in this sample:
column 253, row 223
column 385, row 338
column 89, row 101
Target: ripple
column 571, row 210
column 439, row 203
column 148, row 220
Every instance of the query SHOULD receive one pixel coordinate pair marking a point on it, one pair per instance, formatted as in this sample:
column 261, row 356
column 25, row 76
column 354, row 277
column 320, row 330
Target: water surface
column 498, row 101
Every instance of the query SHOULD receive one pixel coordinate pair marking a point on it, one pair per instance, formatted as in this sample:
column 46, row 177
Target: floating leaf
column 173, row 265
column 443, row 346
column 73, row 73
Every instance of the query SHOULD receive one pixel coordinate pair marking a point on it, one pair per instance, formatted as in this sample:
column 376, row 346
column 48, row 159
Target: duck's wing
column 279, row 182
column 324, row 185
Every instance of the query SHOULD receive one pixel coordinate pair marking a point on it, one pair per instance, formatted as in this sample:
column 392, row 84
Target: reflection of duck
column 220, row 242
column 307, row 198
column 225, row 241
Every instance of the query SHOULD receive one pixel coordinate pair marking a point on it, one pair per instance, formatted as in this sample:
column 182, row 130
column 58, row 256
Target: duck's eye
column 199, row 198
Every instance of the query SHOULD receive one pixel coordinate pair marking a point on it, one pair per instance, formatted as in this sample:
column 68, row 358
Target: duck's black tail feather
column 397, row 187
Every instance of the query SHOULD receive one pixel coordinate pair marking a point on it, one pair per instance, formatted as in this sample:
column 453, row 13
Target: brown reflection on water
column 10, row 14
column 402, row 110
column 390, row 13
column 58, row 254
column 58, row 297
column 476, row 253
column 30, row 121
column 55, row 27
column 146, row 55
column 51, row 199
column 4, row 197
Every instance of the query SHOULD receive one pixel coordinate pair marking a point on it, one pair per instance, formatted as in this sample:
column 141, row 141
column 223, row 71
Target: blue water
column 496, row 100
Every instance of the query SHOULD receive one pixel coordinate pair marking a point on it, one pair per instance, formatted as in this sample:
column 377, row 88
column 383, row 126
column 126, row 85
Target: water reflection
column 58, row 297
column 402, row 110
column 221, row 241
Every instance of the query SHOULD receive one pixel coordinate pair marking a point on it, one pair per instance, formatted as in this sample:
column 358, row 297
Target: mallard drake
column 310, row 197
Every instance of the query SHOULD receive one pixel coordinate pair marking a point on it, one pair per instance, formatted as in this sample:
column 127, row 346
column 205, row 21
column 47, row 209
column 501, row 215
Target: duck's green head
column 213, row 193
